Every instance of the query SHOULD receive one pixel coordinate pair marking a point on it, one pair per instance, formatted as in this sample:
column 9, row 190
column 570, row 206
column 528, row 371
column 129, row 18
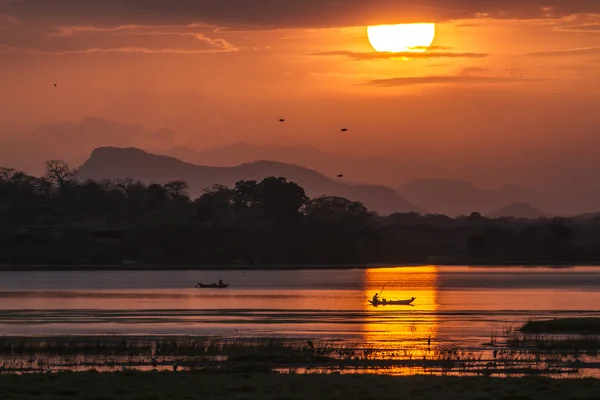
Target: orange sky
column 187, row 67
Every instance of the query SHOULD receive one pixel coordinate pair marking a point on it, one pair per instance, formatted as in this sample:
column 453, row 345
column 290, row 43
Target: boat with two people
column 213, row 285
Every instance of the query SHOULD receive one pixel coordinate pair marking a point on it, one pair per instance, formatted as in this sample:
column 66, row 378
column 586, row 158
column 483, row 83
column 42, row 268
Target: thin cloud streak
column 404, row 55
column 79, row 29
column 585, row 51
column 436, row 79
column 590, row 28
column 4, row 49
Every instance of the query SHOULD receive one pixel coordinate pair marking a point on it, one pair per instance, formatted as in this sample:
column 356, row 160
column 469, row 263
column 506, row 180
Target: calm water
column 460, row 305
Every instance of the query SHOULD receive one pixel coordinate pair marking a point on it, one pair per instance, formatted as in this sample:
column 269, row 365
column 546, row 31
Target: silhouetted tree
column 58, row 173
column 177, row 190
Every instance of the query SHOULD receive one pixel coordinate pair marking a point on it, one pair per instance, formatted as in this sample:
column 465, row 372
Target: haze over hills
column 451, row 197
column 114, row 163
column 369, row 169
column 455, row 197
column 517, row 210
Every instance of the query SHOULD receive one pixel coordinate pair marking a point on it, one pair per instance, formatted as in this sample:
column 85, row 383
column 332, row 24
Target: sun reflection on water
column 403, row 331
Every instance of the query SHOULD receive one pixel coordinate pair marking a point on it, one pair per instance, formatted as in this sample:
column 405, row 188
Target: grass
column 583, row 326
column 530, row 338
column 111, row 353
column 131, row 385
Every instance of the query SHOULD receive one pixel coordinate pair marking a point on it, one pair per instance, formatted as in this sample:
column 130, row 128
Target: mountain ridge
column 454, row 197
column 134, row 163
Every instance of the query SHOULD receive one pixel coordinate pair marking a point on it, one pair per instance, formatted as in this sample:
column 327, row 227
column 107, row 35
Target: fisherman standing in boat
column 220, row 282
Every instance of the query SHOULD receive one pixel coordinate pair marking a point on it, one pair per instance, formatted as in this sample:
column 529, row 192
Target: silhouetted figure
column 344, row 130
column 221, row 282
column 340, row 176
column 375, row 298
column 281, row 120
column 495, row 353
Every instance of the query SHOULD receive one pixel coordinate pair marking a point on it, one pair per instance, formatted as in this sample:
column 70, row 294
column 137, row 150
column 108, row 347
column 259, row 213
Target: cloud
column 391, row 56
column 62, row 27
column 288, row 13
column 591, row 27
column 584, row 51
column 436, row 79
column 135, row 50
column 32, row 37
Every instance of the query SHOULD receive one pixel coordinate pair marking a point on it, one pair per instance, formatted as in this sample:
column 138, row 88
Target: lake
column 454, row 305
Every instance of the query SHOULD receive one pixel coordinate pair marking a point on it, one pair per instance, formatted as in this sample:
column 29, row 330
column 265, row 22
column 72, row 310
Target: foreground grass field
column 185, row 385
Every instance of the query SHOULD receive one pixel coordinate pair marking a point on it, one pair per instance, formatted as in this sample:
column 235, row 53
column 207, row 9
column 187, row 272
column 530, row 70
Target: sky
column 507, row 93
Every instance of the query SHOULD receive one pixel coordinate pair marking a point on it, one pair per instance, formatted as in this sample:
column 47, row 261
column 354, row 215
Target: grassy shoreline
column 278, row 267
column 131, row 385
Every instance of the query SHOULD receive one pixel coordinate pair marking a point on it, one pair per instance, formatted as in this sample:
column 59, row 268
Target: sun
column 401, row 38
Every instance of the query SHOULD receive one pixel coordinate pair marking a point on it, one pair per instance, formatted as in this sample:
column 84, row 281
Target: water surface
column 454, row 305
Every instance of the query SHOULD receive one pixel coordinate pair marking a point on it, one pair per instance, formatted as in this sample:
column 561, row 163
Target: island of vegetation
column 59, row 220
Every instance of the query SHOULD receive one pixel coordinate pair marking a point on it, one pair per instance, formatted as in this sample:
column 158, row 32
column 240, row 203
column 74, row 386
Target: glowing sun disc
column 401, row 38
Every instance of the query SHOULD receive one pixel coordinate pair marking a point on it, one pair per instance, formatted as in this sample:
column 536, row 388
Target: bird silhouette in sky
column 281, row 120
column 344, row 130
column 340, row 176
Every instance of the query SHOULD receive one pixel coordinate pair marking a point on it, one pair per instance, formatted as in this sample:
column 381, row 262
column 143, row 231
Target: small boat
column 211, row 286
column 384, row 302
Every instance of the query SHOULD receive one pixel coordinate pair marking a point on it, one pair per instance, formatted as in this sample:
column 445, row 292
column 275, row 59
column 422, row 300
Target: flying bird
column 343, row 130
column 340, row 176
column 281, row 120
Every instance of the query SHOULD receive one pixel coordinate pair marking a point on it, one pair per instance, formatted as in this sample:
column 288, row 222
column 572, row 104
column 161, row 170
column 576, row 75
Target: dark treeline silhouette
column 57, row 220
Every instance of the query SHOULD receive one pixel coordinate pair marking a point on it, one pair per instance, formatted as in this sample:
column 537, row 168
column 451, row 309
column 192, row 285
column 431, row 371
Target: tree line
column 56, row 219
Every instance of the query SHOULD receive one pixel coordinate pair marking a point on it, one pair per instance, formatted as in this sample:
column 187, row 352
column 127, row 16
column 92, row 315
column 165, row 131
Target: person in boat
column 376, row 298
column 221, row 282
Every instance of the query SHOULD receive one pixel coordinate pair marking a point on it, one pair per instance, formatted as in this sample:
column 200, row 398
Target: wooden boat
column 407, row 302
column 211, row 286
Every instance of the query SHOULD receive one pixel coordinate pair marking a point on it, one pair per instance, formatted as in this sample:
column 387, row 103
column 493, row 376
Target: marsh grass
column 111, row 353
column 568, row 344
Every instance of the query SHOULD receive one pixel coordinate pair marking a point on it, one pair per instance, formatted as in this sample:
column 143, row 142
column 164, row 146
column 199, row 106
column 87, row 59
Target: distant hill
column 455, row 197
column 366, row 169
column 517, row 210
column 113, row 163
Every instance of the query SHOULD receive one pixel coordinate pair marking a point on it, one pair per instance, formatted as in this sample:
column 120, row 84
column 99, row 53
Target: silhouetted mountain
column 517, row 210
column 113, row 163
column 456, row 197
column 371, row 170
